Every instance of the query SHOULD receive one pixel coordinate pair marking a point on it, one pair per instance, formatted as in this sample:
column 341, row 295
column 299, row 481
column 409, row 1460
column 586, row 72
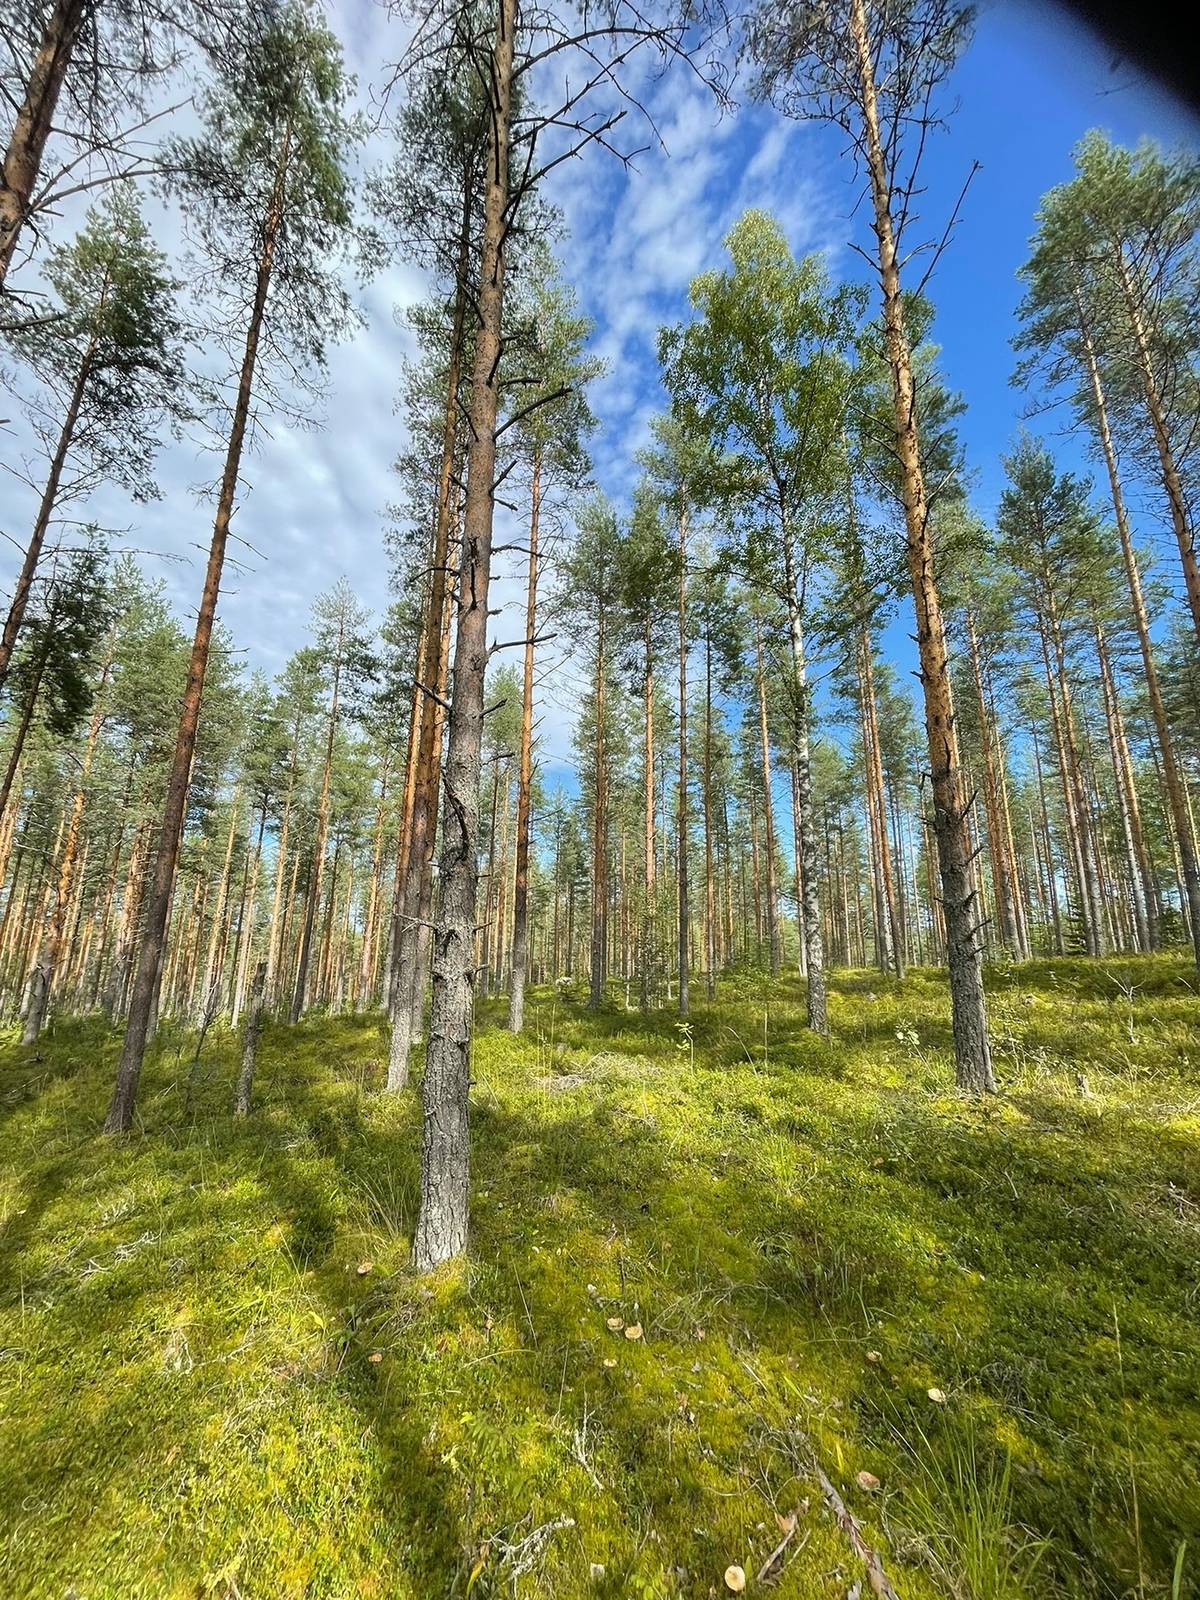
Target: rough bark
column 35, row 120
column 445, row 1136
column 972, row 1052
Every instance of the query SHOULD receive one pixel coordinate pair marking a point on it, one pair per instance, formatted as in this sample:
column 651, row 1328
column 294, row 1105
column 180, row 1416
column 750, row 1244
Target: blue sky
column 1031, row 84
column 1028, row 88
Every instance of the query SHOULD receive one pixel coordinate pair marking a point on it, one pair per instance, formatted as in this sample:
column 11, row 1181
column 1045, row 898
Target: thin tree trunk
column 710, row 909
column 684, row 812
column 520, row 937
column 1136, row 859
column 142, row 1005
column 871, row 712
column 366, row 966
column 1172, row 780
column 816, row 1004
column 245, row 1086
column 649, row 851
column 216, row 933
column 299, row 994
column 1181, row 522
column 599, row 947
column 1002, row 884
column 52, row 946
column 37, row 539
column 246, row 921
column 414, row 883
column 774, row 939
column 22, row 733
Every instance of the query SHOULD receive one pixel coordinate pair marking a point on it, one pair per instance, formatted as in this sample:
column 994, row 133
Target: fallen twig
column 767, row 1569
column 881, row 1584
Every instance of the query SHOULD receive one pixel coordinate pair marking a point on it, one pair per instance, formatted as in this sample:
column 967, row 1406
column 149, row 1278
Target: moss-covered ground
column 202, row 1395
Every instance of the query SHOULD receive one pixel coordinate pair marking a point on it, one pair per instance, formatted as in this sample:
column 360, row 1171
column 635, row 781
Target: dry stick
column 769, row 1565
column 880, row 1583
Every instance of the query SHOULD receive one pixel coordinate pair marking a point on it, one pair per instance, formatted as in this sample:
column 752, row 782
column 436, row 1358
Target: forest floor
column 834, row 1262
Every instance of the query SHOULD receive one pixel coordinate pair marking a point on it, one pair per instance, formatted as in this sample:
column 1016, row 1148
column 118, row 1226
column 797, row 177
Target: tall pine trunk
column 145, row 987
column 972, row 1051
column 441, row 1231
column 35, row 120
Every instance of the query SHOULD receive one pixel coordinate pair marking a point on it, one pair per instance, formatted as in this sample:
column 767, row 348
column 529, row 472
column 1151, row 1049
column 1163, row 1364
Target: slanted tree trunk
column 33, row 550
column 145, row 987
column 441, row 1231
column 27, row 711
column 35, row 119
column 972, row 1051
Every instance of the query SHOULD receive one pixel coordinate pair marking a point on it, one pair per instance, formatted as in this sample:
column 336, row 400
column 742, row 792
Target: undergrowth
column 218, row 1377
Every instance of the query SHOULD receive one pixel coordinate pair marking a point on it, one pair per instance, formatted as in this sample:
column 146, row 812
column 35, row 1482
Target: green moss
column 810, row 1235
